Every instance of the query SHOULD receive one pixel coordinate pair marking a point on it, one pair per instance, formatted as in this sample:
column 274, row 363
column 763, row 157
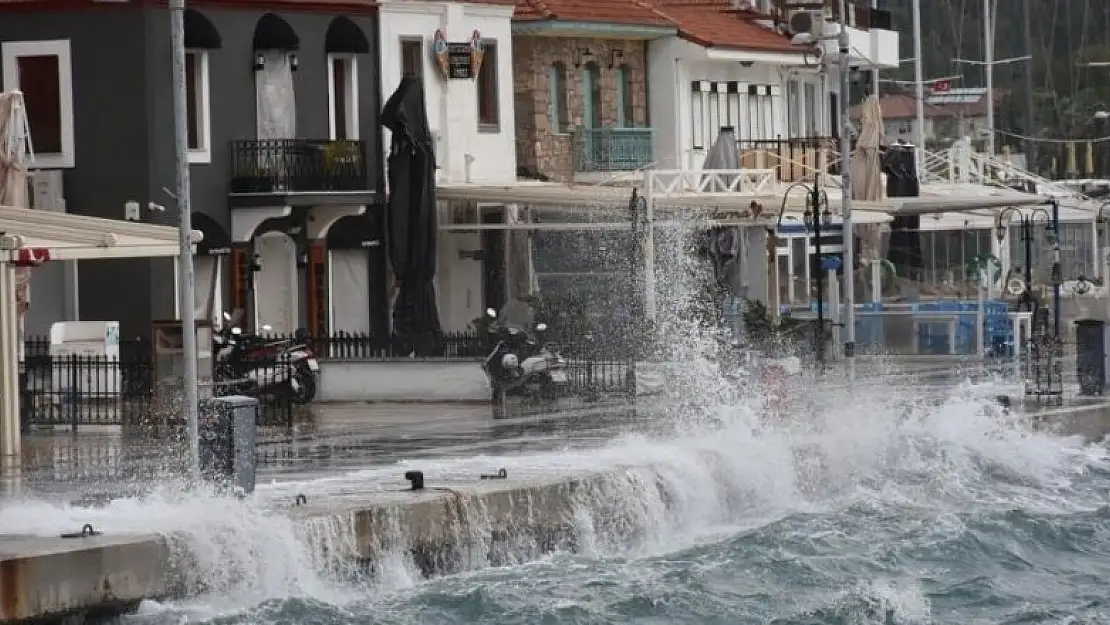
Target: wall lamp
column 260, row 61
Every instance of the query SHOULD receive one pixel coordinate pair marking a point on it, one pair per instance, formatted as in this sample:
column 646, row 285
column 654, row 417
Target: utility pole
column 875, row 70
column 919, row 90
column 1030, row 116
column 844, row 46
column 185, row 260
column 988, row 59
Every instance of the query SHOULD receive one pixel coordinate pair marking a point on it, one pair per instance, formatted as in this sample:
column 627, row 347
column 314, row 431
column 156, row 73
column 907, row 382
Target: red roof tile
column 628, row 12
column 715, row 24
column 353, row 6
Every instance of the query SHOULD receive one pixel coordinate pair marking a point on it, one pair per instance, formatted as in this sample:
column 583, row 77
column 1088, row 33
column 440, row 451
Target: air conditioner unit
column 805, row 21
column 46, row 190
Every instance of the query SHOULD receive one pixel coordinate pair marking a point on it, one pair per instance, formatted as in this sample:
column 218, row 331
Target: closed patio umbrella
column 13, row 174
column 867, row 180
column 411, row 220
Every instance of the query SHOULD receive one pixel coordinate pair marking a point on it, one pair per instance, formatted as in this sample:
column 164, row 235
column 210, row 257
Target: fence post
column 71, row 396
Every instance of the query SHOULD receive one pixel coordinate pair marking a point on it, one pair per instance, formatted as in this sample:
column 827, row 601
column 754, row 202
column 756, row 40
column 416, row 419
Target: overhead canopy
column 929, row 205
column 344, row 36
column 199, row 32
column 274, row 33
column 45, row 235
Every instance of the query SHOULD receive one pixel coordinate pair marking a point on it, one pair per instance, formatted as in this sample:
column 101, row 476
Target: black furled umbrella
column 411, row 221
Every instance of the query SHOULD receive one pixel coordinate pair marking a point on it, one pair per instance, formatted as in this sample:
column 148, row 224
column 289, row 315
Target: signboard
column 458, row 60
column 942, row 86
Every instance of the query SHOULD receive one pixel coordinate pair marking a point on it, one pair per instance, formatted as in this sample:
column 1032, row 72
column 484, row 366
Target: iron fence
column 368, row 346
column 84, row 390
column 283, row 165
column 592, row 376
column 88, row 390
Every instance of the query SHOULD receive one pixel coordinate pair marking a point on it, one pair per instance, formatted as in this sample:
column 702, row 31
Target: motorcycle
column 521, row 366
column 251, row 364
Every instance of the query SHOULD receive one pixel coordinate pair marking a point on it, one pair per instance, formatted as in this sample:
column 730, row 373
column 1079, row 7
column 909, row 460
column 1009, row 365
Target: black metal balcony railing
column 792, row 159
column 612, row 149
column 290, row 165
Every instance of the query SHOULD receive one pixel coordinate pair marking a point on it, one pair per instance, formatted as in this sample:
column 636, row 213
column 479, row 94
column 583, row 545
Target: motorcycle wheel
column 305, row 390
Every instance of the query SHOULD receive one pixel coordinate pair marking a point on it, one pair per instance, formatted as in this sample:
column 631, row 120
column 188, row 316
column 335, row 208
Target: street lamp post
column 815, row 217
column 1103, row 223
column 1052, row 237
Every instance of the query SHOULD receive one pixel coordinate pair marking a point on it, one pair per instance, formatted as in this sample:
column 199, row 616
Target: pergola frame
column 29, row 238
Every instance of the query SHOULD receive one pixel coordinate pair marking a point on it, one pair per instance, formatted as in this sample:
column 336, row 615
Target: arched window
column 557, row 97
column 591, row 95
column 626, row 116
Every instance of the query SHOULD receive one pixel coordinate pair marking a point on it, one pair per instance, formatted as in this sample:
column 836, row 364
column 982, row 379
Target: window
column 591, row 95
column 557, row 96
column 626, row 110
column 343, row 96
column 794, row 108
column 42, row 71
column 412, row 57
column 489, row 113
column 812, row 125
column 197, row 112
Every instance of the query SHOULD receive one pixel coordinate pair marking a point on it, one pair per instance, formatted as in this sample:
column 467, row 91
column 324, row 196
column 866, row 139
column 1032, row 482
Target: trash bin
column 1091, row 353
column 227, row 441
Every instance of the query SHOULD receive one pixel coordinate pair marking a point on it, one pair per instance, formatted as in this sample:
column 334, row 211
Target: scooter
column 250, row 364
column 520, row 366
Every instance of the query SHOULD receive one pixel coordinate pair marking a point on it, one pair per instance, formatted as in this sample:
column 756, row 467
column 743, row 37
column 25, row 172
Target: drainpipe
column 469, row 159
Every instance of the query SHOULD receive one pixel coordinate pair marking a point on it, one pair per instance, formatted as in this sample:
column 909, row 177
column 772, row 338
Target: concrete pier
column 439, row 528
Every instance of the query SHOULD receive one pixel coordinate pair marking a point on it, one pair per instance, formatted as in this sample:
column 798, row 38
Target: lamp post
column 1052, row 232
column 815, row 217
column 1103, row 223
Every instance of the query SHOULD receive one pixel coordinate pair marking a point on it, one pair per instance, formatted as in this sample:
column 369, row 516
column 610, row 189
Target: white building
column 738, row 68
column 471, row 118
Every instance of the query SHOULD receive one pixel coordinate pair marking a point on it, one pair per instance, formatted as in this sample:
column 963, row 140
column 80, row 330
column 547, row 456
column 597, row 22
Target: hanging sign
column 457, row 60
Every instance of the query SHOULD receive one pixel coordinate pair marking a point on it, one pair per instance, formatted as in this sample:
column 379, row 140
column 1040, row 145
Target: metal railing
column 370, row 346
column 289, row 165
column 84, row 390
column 793, row 160
column 612, row 149
column 95, row 390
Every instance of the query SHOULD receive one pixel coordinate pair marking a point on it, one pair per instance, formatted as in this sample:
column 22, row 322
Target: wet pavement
column 343, row 438
column 338, row 439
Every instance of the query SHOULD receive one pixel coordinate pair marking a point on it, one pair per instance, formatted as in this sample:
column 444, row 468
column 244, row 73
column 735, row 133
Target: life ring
column 988, row 262
column 1015, row 286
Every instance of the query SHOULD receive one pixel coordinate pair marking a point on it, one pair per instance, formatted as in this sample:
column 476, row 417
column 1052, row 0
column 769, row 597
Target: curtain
column 275, row 293
column 275, row 100
column 349, row 272
column 208, row 289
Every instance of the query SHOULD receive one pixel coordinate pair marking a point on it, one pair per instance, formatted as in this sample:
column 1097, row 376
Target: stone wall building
column 580, row 86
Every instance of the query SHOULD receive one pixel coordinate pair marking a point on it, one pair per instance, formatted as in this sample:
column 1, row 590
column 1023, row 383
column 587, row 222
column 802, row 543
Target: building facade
column 580, row 86
column 284, row 149
column 473, row 123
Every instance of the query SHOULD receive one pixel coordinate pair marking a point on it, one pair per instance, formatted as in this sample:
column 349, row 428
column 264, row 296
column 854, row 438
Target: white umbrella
column 867, row 174
column 13, row 174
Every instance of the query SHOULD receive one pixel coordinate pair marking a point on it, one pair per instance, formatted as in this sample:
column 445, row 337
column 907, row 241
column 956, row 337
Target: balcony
column 792, row 159
column 612, row 149
column 297, row 168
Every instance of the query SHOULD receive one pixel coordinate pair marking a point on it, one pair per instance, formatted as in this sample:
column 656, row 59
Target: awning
column 38, row 235
column 929, row 205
